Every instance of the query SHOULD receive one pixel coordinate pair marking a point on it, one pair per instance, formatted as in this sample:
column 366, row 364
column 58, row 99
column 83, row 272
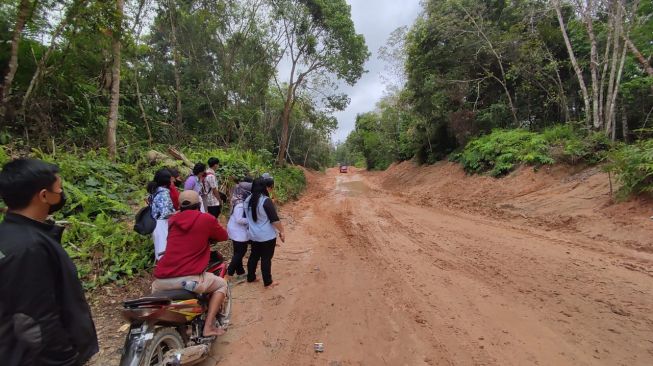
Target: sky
column 375, row 19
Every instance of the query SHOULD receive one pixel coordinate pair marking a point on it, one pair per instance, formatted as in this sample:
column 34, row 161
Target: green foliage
column 3, row 156
column 289, row 183
column 103, row 197
column 380, row 137
column 572, row 146
column 501, row 150
column 633, row 167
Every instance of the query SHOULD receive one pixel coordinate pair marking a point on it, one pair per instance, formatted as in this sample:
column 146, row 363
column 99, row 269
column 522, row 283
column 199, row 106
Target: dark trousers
column 264, row 251
column 236, row 265
column 214, row 210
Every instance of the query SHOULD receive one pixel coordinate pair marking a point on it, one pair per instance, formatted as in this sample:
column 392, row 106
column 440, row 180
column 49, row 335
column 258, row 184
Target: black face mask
column 58, row 206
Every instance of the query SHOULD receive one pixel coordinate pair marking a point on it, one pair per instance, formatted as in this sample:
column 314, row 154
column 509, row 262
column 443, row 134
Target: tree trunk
column 624, row 126
column 24, row 11
column 594, row 65
column 635, row 51
column 285, row 121
column 308, row 148
column 142, row 109
column 179, row 118
column 604, row 73
column 574, row 62
column 616, row 28
column 112, row 123
column 615, row 92
column 137, row 66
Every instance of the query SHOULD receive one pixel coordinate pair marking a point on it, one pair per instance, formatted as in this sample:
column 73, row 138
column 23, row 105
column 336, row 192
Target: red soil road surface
column 429, row 267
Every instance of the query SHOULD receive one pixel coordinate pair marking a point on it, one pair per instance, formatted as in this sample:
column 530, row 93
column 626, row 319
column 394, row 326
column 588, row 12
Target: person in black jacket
column 44, row 317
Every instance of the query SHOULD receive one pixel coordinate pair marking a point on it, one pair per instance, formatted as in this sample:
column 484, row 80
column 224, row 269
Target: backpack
column 144, row 223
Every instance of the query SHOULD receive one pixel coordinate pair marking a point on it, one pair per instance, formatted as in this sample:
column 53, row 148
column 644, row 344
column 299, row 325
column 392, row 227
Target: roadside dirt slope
column 425, row 266
column 554, row 198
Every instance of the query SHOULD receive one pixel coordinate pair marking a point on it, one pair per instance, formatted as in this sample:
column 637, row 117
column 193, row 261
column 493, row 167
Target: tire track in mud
column 359, row 236
column 384, row 282
column 479, row 269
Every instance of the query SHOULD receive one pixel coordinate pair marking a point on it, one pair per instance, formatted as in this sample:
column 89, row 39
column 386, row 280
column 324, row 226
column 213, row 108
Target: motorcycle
column 166, row 327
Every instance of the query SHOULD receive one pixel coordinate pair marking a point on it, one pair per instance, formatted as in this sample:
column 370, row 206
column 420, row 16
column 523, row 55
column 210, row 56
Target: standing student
column 210, row 192
column 175, row 181
column 162, row 208
column 44, row 317
column 237, row 229
column 263, row 226
column 194, row 182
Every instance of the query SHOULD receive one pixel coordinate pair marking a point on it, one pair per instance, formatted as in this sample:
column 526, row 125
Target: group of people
column 44, row 316
column 187, row 222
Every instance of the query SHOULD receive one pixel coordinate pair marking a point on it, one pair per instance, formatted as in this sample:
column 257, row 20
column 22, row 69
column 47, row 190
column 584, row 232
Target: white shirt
column 237, row 225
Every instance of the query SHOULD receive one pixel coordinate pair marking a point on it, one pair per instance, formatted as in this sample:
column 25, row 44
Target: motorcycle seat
column 161, row 298
column 180, row 294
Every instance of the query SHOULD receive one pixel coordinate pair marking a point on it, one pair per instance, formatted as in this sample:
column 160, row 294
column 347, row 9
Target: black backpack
column 144, row 223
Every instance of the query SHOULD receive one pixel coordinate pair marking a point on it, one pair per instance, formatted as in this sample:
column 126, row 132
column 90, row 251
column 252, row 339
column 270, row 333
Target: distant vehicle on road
column 343, row 169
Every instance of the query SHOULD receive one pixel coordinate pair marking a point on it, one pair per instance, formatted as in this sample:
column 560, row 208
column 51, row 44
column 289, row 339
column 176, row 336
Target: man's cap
column 188, row 198
column 267, row 176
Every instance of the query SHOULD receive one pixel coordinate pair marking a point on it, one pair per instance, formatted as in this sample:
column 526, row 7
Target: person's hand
column 282, row 236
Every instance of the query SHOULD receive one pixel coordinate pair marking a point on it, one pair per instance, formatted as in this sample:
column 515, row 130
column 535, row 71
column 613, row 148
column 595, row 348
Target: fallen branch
column 180, row 156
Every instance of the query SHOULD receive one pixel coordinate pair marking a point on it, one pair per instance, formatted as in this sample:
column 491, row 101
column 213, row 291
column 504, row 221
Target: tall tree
column 318, row 39
column 114, row 104
column 574, row 62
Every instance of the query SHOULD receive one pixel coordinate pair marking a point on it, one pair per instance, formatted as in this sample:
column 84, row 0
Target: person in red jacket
column 187, row 256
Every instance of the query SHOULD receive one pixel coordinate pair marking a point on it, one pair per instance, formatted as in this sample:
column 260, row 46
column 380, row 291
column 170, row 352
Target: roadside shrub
column 499, row 152
column 289, row 182
column 569, row 145
column 632, row 165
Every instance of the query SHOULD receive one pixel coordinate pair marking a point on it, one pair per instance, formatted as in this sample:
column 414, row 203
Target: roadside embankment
column 554, row 197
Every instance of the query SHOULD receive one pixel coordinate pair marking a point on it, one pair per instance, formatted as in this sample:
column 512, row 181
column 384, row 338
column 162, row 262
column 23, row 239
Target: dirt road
column 382, row 282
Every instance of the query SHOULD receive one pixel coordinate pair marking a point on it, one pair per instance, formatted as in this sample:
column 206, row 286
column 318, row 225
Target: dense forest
column 186, row 72
column 574, row 75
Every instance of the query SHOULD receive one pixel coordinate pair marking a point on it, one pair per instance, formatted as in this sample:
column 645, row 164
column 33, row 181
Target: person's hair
column 199, row 168
column 259, row 188
column 174, row 172
column 21, row 179
column 269, row 182
column 248, row 179
column 213, row 161
column 161, row 179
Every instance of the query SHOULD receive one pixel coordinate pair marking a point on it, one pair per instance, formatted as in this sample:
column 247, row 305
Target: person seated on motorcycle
column 187, row 256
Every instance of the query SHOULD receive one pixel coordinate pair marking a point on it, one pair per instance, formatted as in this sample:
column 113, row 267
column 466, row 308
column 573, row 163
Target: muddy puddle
column 352, row 188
